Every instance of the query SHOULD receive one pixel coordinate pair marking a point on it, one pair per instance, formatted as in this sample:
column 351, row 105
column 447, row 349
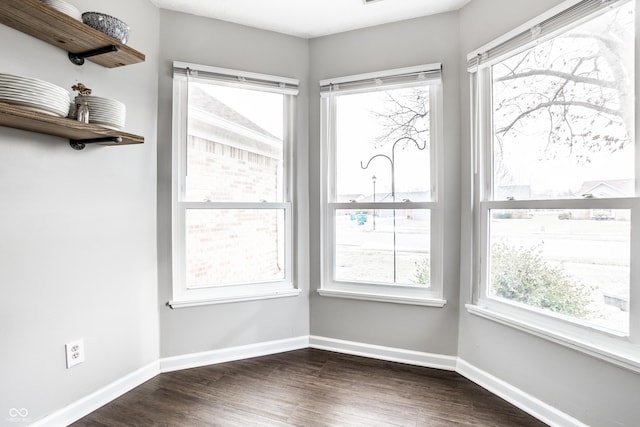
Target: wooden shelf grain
column 54, row 27
column 21, row 118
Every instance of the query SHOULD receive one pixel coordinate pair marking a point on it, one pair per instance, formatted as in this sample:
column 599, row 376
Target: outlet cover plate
column 75, row 352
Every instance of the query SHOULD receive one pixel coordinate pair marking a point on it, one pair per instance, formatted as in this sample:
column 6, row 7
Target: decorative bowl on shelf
column 107, row 24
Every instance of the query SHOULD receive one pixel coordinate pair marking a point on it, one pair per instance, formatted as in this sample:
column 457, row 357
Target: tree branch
column 598, row 108
column 560, row 74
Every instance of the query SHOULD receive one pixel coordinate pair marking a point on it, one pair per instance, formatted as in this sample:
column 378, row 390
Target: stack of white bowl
column 34, row 94
column 65, row 8
column 104, row 111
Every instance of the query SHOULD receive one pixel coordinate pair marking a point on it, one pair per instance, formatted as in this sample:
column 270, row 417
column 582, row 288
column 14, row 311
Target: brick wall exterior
column 220, row 173
column 232, row 246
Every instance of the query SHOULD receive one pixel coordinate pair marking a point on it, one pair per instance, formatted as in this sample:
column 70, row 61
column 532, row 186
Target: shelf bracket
column 78, row 58
column 79, row 144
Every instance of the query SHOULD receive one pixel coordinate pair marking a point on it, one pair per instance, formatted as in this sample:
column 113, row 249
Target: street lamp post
column 373, row 178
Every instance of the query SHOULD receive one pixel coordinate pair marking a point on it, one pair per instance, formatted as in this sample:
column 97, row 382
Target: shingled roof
column 198, row 98
column 220, row 123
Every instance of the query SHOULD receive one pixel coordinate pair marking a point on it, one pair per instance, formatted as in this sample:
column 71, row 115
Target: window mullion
column 289, row 167
column 483, row 253
column 486, row 135
column 332, row 135
column 634, row 291
column 437, row 176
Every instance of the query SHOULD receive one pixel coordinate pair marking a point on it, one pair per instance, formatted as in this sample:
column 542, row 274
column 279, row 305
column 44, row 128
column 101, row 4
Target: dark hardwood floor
column 309, row 388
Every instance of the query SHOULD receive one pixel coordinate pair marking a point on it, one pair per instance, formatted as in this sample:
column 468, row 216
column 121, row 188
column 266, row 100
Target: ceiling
column 311, row 18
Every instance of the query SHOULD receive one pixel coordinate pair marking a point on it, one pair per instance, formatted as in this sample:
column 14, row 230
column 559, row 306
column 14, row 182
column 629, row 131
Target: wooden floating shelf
column 54, row 27
column 21, row 118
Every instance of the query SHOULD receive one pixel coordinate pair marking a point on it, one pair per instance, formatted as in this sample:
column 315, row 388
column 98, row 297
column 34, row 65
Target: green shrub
column 422, row 275
column 522, row 275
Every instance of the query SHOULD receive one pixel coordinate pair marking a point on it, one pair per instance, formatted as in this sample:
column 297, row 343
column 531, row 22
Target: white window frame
column 182, row 294
column 608, row 345
column 382, row 292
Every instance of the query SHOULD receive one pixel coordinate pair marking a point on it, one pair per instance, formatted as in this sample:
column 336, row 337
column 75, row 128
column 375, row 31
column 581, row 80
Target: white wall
column 413, row 42
column 209, row 42
column 77, row 231
column 595, row 392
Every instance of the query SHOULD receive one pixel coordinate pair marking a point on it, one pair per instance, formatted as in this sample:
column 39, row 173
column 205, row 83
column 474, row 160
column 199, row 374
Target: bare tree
column 406, row 114
column 576, row 90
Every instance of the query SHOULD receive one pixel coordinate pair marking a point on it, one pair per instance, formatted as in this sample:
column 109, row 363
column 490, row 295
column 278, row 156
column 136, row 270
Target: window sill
column 179, row 303
column 623, row 354
column 424, row 301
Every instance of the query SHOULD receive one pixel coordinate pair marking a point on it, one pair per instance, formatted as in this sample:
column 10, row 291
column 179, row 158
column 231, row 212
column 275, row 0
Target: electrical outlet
column 75, row 352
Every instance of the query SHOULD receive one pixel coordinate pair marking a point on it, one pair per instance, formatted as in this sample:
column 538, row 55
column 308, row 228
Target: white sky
column 563, row 173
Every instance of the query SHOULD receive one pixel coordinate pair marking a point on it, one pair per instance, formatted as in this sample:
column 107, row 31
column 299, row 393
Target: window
column 232, row 186
column 382, row 202
column 556, row 170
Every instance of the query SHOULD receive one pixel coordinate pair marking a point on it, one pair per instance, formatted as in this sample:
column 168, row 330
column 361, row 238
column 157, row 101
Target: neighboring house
column 601, row 190
column 606, row 188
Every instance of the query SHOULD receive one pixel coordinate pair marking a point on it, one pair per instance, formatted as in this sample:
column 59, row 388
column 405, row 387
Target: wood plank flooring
column 309, row 388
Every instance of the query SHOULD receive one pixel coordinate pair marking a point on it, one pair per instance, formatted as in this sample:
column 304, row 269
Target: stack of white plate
column 104, row 111
column 65, row 8
column 34, row 94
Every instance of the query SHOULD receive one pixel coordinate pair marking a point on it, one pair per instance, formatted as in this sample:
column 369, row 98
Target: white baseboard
column 84, row 406
column 531, row 405
column 204, row 358
column 391, row 354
